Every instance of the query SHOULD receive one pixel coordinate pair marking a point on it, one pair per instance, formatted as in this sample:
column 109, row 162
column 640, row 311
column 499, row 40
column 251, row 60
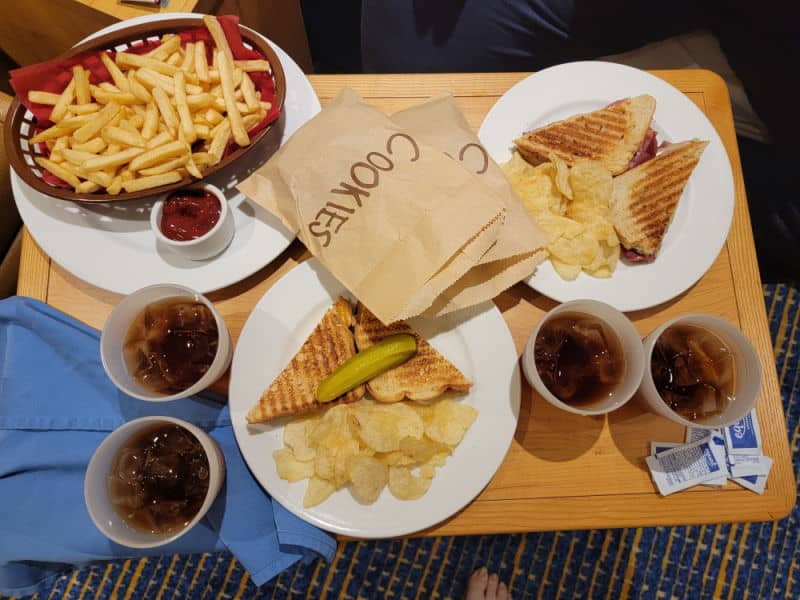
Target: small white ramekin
column 96, row 485
column 206, row 246
column 631, row 348
column 112, row 342
column 746, row 364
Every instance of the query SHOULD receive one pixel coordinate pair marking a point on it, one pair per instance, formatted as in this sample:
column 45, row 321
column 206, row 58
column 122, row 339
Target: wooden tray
column 19, row 125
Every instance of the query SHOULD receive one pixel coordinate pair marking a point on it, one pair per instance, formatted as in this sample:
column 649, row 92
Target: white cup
column 96, row 484
column 112, row 341
column 206, row 246
column 631, row 347
column 747, row 370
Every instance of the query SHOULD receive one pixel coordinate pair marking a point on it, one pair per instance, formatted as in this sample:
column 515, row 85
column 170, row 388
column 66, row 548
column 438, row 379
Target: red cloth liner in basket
column 54, row 75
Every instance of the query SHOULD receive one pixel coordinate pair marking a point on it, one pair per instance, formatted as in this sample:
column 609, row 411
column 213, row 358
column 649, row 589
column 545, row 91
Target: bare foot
column 483, row 586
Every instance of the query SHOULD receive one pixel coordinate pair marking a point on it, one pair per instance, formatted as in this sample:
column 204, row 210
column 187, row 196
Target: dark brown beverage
column 159, row 479
column 693, row 371
column 579, row 358
column 171, row 344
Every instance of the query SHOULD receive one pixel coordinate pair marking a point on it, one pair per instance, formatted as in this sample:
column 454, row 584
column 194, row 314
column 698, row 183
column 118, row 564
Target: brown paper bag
column 395, row 220
column 520, row 243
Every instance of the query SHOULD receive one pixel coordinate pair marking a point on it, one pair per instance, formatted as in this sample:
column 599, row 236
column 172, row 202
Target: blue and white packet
column 745, row 465
column 687, row 465
column 744, row 436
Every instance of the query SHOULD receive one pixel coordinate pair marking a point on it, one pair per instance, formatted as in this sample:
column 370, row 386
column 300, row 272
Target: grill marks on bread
column 294, row 390
column 646, row 197
column 611, row 135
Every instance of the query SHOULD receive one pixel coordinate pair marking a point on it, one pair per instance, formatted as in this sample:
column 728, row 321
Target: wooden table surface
column 562, row 471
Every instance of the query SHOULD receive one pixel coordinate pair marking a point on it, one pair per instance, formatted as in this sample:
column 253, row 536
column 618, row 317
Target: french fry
column 250, row 121
column 249, row 92
column 123, row 98
column 93, row 127
column 150, row 121
column 51, row 133
column 119, row 79
column 87, row 187
column 112, row 148
column 219, row 141
column 56, row 152
column 169, row 43
column 136, row 122
column 201, row 158
column 40, row 97
column 59, row 171
column 159, row 140
column 94, row 146
column 83, row 109
column 134, row 60
column 109, row 87
column 213, row 116
column 101, row 178
column 151, row 79
column 60, row 109
column 220, row 41
column 137, row 89
column 115, row 187
column 193, row 170
column 81, row 77
column 234, row 116
column 123, row 137
column 253, row 66
column 77, row 157
column 200, row 62
column 175, row 59
column 184, row 114
column 111, row 160
column 170, row 165
column 146, row 183
column 127, row 175
column 203, row 131
column 198, row 101
column 159, row 154
column 166, row 109
column 187, row 66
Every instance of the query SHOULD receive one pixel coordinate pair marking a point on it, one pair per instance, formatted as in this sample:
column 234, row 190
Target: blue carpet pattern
column 756, row 560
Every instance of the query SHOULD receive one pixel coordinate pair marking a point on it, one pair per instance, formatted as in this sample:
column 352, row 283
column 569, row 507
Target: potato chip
column 406, row 486
column 379, row 429
column 396, row 458
column 368, row 476
column 591, row 182
column 451, row 419
column 317, row 492
column 295, row 436
column 409, row 423
column 422, row 450
column 289, row 468
column 572, row 206
column 562, row 176
column 344, row 451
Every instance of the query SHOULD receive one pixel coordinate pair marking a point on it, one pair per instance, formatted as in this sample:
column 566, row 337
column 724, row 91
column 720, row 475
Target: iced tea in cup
column 700, row 371
column 584, row 357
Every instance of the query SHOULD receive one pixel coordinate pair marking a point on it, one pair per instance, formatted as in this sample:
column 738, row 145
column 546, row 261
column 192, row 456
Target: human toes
column 476, row 586
column 502, row 592
column 491, row 587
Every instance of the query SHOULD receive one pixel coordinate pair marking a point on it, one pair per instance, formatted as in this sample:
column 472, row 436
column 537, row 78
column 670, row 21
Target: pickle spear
column 392, row 351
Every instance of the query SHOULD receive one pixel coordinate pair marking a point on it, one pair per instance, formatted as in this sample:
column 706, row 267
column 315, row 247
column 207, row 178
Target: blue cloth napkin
column 56, row 406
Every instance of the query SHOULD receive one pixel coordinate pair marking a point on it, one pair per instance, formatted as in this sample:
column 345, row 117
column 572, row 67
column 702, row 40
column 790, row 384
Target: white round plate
column 477, row 342
column 111, row 245
column 703, row 218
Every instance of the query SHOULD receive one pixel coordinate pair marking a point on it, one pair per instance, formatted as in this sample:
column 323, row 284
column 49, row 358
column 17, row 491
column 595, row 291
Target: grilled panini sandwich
column 294, row 390
column 645, row 199
column 425, row 377
column 611, row 135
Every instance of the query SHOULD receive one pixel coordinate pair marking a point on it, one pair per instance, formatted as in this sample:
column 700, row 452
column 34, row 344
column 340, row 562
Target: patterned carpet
column 756, row 560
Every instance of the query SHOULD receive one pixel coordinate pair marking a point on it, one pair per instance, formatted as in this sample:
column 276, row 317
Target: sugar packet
column 687, row 465
column 744, row 436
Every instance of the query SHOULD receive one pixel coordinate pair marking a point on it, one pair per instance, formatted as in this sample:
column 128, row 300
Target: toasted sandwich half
column 425, row 377
column 646, row 197
column 611, row 135
column 294, row 391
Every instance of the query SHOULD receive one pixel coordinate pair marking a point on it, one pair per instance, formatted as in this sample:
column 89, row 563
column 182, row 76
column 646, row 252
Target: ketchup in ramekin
column 189, row 214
